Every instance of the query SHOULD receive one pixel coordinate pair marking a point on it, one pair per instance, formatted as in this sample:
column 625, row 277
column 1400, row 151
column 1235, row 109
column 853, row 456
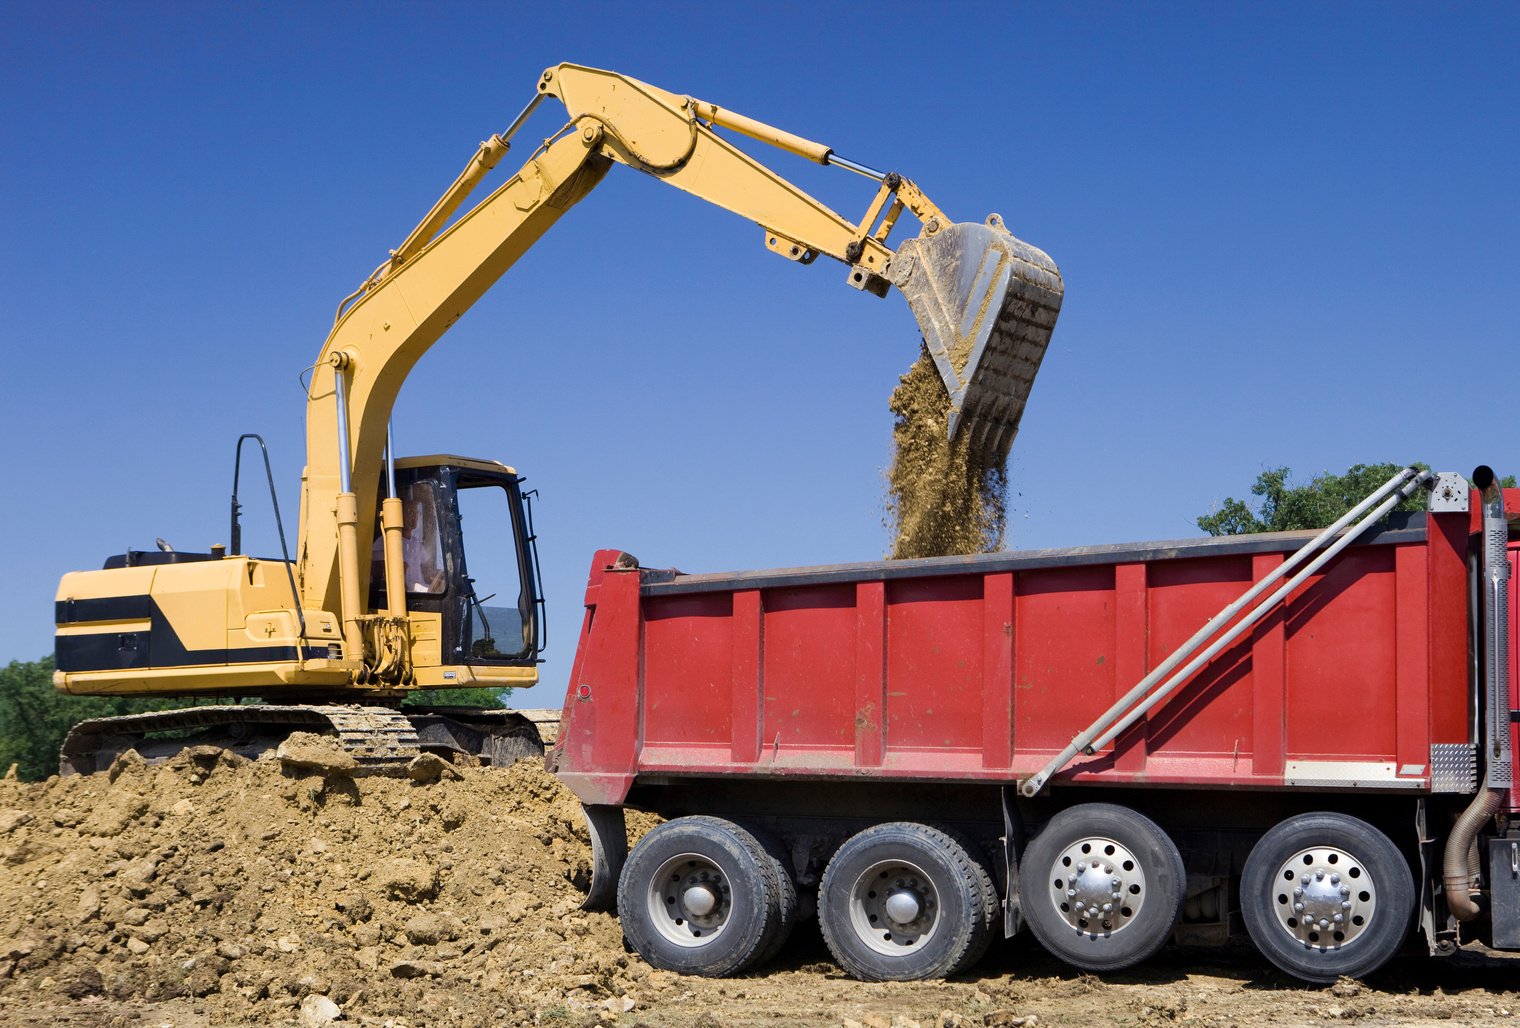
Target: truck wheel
column 1326, row 895
column 903, row 901
column 1102, row 886
column 786, row 895
column 700, row 895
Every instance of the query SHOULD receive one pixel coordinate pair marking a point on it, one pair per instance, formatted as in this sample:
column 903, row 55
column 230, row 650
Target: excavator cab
column 470, row 566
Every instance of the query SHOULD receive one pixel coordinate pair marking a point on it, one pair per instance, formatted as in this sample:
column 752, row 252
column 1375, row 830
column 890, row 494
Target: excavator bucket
column 987, row 304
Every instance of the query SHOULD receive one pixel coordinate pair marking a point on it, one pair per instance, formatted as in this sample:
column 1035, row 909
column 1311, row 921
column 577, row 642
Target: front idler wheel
column 1325, row 895
column 904, row 901
column 1102, row 886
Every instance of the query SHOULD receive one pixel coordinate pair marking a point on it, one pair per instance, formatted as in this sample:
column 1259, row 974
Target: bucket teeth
column 987, row 304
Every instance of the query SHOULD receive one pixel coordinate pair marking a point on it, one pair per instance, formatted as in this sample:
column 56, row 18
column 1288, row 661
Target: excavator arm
column 986, row 302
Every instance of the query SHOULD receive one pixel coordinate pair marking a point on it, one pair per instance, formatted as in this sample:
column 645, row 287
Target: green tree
column 1285, row 507
column 484, row 699
column 34, row 717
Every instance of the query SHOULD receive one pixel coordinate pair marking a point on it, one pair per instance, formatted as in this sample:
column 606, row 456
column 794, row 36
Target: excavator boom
column 986, row 303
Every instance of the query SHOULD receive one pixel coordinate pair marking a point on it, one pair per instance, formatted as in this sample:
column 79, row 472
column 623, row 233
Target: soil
column 211, row 890
column 943, row 497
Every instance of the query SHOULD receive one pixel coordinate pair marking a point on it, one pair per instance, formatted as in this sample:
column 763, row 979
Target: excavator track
column 381, row 740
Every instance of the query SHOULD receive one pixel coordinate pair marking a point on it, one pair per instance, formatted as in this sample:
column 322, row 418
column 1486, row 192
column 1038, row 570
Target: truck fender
column 1013, row 844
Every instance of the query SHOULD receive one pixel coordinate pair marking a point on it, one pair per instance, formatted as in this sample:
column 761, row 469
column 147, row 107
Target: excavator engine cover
column 987, row 304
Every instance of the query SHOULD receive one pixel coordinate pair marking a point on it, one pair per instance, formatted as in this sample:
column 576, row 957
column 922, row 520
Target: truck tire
column 1102, row 886
column 1312, row 869
column 700, row 895
column 904, row 901
column 786, row 895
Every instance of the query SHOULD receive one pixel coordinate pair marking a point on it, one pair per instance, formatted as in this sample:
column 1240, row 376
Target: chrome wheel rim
column 1324, row 897
column 894, row 906
column 689, row 900
column 1098, row 886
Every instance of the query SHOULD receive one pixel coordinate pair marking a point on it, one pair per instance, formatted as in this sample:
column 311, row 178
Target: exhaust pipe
column 1457, row 874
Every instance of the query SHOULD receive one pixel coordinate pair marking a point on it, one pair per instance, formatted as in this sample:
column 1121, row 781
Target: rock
column 230, row 951
column 88, row 907
column 520, row 904
column 136, row 916
column 406, row 879
column 949, row 1019
column 130, row 762
column 15, row 949
column 87, row 983
column 318, row 1010
column 429, row 929
column 427, row 768
column 355, row 906
column 137, row 946
column 1009, row 1019
column 415, row 969
column 287, row 944
column 1345, row 988
column 322, row 754
column 183, row 808
column 10, row 820
column 116, row 810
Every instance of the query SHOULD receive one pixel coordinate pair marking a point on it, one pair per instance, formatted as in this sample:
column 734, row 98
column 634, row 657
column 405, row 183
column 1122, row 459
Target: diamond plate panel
column 1453, row 767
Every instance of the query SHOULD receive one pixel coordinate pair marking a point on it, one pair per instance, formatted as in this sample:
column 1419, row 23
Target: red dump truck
column 1307, row 736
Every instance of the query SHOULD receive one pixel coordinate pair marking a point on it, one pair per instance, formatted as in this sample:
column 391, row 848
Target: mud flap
column 609, row 849
column 987, row 304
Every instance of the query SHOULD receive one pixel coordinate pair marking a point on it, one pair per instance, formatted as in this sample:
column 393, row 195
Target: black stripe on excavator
column 112, row 651
column 1514, row 716
column 160, row 646
column 103, row 608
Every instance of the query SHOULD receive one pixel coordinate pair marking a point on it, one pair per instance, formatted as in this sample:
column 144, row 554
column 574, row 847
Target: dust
column 943, row 497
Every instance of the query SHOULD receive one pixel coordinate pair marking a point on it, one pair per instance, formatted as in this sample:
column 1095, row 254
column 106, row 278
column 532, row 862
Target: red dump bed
column 985, row 667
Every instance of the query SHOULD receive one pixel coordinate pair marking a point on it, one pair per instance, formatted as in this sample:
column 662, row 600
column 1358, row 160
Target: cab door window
column 499, row 622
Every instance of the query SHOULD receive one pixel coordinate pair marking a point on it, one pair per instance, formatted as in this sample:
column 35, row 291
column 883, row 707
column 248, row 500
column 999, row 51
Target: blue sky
column 1288, row 235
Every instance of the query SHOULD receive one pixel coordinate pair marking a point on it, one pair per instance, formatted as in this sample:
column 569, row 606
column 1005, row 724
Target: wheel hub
column 903, row 906
column 689, row 900
column 1324, row 897
column 893, row 905
column 1097, row 886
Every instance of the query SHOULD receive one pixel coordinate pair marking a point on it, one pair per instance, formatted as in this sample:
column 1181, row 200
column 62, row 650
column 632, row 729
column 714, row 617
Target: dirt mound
column 212, row 891
column 275, row 891
column 943, row 497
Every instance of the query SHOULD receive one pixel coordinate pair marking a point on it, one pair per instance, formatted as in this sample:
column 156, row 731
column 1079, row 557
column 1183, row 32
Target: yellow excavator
column 422, row 573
